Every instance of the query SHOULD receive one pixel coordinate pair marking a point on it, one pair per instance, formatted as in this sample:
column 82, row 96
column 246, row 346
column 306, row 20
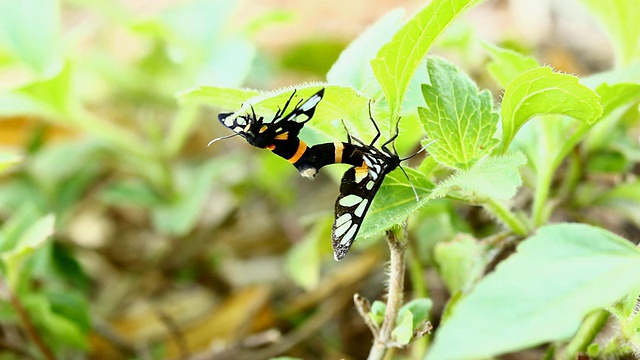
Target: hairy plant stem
column 517, row 225
column 397, row 248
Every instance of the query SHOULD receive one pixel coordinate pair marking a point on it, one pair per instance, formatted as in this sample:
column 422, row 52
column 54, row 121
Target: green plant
column 561, row 272
column 133, row 161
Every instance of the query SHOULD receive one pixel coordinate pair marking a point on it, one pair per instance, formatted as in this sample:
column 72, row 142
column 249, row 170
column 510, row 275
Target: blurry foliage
column 111, row 204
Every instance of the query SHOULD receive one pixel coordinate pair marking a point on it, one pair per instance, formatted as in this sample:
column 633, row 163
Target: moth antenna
column 222, row 138
column 419, row 151
column 410, row 183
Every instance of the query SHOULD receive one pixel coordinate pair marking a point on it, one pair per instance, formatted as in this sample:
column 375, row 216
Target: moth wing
column 357, row 190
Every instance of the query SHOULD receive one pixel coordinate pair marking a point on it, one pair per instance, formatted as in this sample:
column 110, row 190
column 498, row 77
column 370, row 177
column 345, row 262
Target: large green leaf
column 541, row 293
column 457, row 115
column 395, row 201
column 29, row 29
column 491, row 177
column 541, row 91
column 398, row 60
column 620, row 18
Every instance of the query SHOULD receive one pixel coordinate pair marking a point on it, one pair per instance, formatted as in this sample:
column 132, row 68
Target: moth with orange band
column 281, row 136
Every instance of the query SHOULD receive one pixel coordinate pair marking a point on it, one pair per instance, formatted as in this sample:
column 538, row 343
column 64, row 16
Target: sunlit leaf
column 491, row 177
column 541, row 293
column 403, row 332
column 395, row 202
column 457, row 115
column 29, row 29
column 541, row 91
column 397, row 61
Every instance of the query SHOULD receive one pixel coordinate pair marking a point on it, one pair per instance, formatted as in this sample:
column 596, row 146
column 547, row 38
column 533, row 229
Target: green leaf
column 617, row 95
column 398, row 60
column 403, row 332
column 507, row 64
column 461, row 262
column 49, row 97
column 395, row 202
column 541, row 293
column 491, row 177
column 29, row 29
column 72, row 305
column 376, row 314
column 541, row 91
column 31, row 239
column 222, row 97
column 419, row 308
column 620, row 19
column 59, row 329
column 457, row 115
column 352, row 67
column 615, row 99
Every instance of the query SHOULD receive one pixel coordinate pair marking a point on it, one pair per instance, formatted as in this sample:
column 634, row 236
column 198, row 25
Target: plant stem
column 397, row 248
column 419, row 290
column 31, row 331
column 509, row 218
column 540, row 211
column 590, row 327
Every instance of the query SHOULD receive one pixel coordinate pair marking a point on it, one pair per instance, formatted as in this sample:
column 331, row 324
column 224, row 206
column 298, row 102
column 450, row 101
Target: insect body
column 281, row 137
column 359, row 186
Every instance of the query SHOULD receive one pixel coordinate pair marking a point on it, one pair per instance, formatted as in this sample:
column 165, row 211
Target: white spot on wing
column 343, row 228
column 350, row 200
column 228, row 121
column 360, row 209
column 367, row 160
column 342, row 219
column 348, row 238
column 313, row 101
column 370, row 184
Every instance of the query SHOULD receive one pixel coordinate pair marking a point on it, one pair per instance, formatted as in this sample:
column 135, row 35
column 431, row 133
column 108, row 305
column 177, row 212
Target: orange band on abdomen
column 339, row 148
column 302, row 147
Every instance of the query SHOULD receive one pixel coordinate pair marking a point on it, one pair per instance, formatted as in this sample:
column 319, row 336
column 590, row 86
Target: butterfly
column 280, row 135
column 360, row 184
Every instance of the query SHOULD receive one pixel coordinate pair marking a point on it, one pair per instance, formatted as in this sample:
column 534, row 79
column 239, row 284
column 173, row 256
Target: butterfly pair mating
column 359, row 184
